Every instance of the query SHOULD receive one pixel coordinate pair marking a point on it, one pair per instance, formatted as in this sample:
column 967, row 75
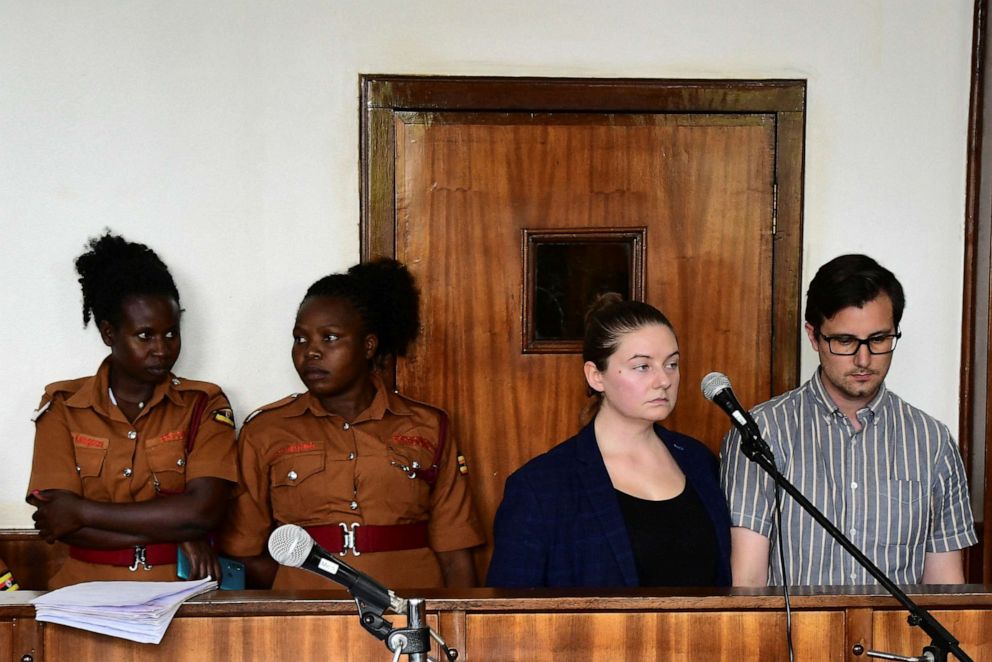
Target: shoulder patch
column 462, row 465
column 225, row 416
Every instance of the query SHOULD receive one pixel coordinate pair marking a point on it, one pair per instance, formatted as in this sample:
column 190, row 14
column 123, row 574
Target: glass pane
column 567, row 278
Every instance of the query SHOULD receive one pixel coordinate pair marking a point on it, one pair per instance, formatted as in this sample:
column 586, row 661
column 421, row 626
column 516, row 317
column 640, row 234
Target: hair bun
column 602, row 301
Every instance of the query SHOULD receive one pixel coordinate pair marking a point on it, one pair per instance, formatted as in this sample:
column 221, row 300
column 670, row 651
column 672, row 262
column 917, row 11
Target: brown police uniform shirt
column 84, row 444
column 302, row 465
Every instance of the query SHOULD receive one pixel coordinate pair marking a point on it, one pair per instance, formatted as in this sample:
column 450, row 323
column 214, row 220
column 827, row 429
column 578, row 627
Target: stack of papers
column 139, row 611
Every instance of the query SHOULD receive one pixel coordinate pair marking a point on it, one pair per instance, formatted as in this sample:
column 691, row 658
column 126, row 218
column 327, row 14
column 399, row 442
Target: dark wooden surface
column 538, row 625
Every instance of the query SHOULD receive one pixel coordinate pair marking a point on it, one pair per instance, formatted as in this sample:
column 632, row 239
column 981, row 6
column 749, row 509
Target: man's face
column 852, row 381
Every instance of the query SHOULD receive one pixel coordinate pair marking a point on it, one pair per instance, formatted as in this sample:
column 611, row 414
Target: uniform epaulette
column 272, row 405
column 65, row 386
column 419, row 403
column 53, row 389
column 183, row 384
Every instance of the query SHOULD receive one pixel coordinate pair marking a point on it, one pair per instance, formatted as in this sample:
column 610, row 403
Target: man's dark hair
column 851, row 280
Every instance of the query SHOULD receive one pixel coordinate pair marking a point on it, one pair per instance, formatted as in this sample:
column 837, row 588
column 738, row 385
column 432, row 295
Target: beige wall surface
column 225, row 135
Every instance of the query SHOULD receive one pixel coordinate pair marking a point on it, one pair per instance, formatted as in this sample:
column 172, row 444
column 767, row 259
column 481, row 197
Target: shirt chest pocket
column 167, row 463
column 89, row 461
column 298, row 485
column 900, row 515
column 90, row 454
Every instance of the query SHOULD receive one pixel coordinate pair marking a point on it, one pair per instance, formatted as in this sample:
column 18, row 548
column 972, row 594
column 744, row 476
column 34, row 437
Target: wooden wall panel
column 892, row 634
column 487, row 625
column 7, row 641
column 299, row 638
column 676, row 637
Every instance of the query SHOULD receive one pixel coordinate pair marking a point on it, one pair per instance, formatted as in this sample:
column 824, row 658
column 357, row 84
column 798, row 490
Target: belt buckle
column 349, row 539
column 139, row 559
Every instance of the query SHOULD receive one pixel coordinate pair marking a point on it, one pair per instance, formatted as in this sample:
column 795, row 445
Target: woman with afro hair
column 132, row 463
column 363, row 469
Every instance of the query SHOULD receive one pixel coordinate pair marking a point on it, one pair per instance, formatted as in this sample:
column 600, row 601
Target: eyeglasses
column 850, row 345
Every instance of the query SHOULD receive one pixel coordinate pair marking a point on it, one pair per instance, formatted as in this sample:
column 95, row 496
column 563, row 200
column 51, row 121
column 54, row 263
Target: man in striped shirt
column 889, row 476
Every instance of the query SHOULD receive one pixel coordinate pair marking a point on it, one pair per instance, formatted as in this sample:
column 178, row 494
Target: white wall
column 225, row 135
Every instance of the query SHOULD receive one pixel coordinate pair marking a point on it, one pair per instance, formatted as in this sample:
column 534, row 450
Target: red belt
column 159, row 553
column 362, row 538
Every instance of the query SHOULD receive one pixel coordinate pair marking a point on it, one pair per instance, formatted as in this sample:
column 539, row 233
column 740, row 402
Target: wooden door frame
column 975, row 408
column 382, row 96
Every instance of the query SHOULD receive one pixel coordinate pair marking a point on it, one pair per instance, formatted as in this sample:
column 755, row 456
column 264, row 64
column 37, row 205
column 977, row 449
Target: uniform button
column 351, row 456
column 175, row 382
column 415, row 464
column 353, row 505
column 346, row 426
column 181, row 462
column 128, row 472
column 291, row 475
column 132, row 435
column 78, row 469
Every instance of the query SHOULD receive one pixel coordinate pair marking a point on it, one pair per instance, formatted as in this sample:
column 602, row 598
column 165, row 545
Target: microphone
column 292, row 546
column 716, row 388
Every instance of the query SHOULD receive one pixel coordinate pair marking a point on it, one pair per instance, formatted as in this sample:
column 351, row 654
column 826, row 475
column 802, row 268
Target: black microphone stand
column 414, row 640
column 941, row 641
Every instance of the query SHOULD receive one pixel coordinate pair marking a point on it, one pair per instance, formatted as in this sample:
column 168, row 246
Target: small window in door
column 565, row 270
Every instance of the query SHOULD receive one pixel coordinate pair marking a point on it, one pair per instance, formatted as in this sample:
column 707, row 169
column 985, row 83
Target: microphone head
column 290, row 545
column 713, row 383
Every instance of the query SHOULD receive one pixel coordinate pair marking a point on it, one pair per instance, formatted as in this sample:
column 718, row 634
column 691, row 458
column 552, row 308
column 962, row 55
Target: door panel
column 468, row 185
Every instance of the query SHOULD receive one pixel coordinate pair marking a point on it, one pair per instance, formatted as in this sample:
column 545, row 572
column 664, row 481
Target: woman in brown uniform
column 363, row 469
column 108, row 446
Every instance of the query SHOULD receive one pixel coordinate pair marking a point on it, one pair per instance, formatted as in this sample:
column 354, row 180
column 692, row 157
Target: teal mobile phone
column 232, row 572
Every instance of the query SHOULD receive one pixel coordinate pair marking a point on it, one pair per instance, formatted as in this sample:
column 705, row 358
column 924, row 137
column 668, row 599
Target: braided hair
column 385, row 296
column 113, row 269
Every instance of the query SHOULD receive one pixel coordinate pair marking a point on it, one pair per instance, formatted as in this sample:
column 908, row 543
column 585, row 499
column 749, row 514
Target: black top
column 673, row 540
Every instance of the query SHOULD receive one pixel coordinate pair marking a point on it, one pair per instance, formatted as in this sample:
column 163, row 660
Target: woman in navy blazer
column 625, row 502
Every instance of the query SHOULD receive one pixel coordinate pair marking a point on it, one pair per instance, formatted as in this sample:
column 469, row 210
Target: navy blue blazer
column 560, row 522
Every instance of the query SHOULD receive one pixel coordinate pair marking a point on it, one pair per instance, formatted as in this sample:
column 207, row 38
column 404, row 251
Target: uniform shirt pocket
column 89, row 461
column 297, row 483
column 407, row 491
column 167, row 462
column 90, row 455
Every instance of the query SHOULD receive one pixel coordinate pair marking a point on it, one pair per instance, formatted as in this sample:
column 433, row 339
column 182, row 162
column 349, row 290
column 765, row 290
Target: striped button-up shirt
column 896, row 488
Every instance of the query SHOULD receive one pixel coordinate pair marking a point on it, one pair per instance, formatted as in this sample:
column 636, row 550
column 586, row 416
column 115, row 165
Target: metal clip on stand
column 413, row 640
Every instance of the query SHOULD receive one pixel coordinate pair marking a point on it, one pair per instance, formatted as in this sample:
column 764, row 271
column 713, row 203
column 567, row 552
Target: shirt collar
column 96, row 394
column 823, row 399
column 383, row 401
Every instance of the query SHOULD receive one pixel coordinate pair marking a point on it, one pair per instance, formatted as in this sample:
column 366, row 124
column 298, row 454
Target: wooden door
column 465, row 189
